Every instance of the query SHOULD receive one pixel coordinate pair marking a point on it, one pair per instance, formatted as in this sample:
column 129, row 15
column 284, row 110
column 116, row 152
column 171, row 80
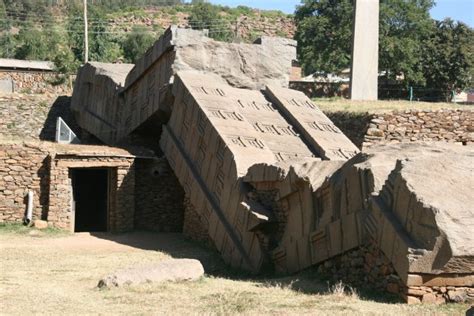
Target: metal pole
column 86, row 35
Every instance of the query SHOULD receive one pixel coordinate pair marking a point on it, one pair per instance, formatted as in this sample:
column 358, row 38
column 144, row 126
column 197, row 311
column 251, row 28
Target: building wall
column 159, row 197
column 143, row 193
column 36, row 166
column 35, row 82
column 121, row 192
column 23, row 167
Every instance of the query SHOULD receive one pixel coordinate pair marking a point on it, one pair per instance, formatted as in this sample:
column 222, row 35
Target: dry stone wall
column 23, row 167
column 367, row 267
column 195, row 226
column 36, row 82
column 448, row 125
column 415, row 126
column 159, row 197
column 33, row 117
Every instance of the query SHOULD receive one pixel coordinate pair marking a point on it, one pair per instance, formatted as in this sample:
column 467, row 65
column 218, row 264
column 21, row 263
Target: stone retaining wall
column 159, row 197
column 36, row 82
column 195, row 226
column 365, row 129
column 367, row 267
column 33, row 117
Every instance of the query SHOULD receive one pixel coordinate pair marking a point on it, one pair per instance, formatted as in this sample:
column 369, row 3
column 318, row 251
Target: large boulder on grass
column 173, row 270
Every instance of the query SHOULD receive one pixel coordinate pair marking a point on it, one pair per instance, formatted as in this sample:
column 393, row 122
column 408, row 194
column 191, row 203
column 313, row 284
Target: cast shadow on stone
column 60, row 108
column 43, row 174
column 353, row 125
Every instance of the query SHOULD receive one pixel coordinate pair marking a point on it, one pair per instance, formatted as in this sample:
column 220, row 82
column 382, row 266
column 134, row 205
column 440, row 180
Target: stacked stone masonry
column 36, row 82
column 158, row 197
column 45, row 168
column 367, row 267
column 33, row 117
column 448, row 125
column 270, row 179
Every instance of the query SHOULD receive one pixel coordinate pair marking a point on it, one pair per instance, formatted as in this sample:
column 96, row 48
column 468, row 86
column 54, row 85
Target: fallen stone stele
column 173, row 270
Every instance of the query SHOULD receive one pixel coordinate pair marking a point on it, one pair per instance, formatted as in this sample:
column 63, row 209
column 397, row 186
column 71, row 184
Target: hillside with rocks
column 246, row 24
column 122, row 34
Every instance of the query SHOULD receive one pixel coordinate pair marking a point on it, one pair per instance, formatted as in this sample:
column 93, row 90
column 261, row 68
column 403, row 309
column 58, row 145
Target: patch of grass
column 20, row 229
column 341, row 290
column 230, row 302
column 67, row 271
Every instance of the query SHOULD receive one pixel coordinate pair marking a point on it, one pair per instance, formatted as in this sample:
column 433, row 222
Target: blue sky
column 462, row 10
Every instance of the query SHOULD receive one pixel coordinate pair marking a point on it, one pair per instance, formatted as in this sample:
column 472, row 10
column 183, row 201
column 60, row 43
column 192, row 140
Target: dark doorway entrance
column 90, row 194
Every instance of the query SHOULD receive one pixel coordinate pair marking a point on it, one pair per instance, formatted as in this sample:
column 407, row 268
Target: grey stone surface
column 112, row 100
column 215, row 134
column 365, row 51
column 172, row 270
column 6, row 86
column 268, row 62
column 413, row 200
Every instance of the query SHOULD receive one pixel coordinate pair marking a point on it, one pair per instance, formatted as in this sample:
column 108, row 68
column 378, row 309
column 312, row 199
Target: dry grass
column 58, row 275
column 340, row 104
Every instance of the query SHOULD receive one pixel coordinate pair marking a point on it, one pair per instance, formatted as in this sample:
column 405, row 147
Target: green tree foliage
column 7, row 40
column 136, row 43
column 324, row 33
column 404, row 26
column 206, row 16
column 448, row 56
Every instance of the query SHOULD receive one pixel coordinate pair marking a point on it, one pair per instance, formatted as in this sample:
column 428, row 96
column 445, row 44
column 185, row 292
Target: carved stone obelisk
column 365, row 50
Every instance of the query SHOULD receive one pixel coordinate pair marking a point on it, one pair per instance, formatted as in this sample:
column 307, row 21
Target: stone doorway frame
column 121, row 190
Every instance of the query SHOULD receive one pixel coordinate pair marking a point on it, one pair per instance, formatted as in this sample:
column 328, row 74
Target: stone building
column 25, row 76
column 88, row 188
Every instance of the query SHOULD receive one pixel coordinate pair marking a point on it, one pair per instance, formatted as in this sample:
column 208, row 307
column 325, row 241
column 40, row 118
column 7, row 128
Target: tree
column 448, row 56
column 136, row 43
column 104, row 46
column 206, row 16
column 324, row 34
column 33, row 45
column 7, row 39
column 404, row 26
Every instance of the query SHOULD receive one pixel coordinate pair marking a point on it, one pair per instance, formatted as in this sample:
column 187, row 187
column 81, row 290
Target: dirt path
column 58, row 276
